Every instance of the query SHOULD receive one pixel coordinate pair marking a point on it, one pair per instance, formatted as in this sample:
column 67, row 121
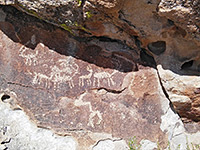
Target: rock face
column 17, row 132
column 184, row 14
column 114, row 74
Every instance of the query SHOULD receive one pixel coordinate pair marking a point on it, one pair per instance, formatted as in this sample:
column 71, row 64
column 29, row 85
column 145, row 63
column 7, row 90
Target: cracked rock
column 110, row 145
column 98, row 73
column 54, row 83
column 18, row 132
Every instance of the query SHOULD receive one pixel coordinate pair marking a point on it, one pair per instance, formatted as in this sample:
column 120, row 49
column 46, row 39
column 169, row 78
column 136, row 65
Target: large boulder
column 100, row 72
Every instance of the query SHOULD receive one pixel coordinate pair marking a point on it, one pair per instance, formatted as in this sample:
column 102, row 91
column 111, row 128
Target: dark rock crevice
column 112, row 91
column 15, row 84
column 23, row 85
column 149, row 60
column 171, row 105
column 121, row 17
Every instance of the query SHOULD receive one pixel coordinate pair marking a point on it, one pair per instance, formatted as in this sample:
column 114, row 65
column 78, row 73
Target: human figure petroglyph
column 29, row 56
column 99, row 76
column 86, row 77
column 93, row 113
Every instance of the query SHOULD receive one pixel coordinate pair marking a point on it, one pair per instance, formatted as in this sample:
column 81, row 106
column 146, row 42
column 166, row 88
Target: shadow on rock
column 103, row 52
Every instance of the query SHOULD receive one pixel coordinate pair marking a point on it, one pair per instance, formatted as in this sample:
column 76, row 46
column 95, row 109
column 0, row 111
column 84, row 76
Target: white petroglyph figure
column 41, row 79
column 61, row 73
column 99, row 76
column 64, row 72
column 93, row 113
column 86, row 78
column 29, row 56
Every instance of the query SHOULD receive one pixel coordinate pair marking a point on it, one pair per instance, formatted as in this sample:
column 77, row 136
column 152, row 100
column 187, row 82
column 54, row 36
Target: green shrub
column 133, row 144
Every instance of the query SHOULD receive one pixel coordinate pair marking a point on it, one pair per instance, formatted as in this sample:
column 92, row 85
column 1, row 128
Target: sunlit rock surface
column 101, row 72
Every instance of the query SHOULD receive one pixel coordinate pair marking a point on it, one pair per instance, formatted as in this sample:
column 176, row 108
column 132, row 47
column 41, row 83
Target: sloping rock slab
column 76, row 87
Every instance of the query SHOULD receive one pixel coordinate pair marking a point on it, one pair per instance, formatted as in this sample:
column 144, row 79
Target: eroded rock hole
column 149, row 2
column 170, row 22
column 157, row 47
column 187, row 65
column 5, row 97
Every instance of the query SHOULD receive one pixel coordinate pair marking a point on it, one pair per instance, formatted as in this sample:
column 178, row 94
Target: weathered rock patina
column 120, row 70
column 73, row 87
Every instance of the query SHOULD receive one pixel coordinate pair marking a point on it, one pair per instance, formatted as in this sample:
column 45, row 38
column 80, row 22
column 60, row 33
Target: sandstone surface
column 99, row 72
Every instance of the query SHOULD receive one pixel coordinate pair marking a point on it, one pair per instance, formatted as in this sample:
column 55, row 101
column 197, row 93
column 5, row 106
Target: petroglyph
column 61, row 73
column 86, row 78
column 41, row 79
column 100, row 76
column 64, row 72
column 80, row 102
column 29, row 56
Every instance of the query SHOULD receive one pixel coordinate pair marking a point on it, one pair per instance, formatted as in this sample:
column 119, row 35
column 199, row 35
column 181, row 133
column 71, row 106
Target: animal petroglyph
column 29, row 56
column 93, row 113
column 41, row 79
column 61, row 73
column 86, row 78
column 100, row 76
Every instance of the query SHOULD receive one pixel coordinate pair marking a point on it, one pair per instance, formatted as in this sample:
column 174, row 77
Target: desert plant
column 133, row 144
column 79, row 2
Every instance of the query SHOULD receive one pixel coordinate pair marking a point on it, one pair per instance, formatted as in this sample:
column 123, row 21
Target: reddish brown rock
column 184, row 93
column 94, row 80
column 79, row 87
column 184, row 14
